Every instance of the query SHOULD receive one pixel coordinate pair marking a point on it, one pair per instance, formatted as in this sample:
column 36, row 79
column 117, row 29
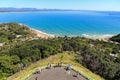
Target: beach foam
column 97, row 36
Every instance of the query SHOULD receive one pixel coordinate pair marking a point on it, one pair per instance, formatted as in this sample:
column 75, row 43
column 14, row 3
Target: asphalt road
column 58, row 73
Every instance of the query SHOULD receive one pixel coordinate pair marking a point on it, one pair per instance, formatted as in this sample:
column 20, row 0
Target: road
column 58, row 73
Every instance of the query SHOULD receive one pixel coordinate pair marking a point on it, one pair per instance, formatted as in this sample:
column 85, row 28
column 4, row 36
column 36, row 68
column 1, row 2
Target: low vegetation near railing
column 65, row 58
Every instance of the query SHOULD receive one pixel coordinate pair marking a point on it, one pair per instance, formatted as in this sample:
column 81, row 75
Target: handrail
column 63, row 65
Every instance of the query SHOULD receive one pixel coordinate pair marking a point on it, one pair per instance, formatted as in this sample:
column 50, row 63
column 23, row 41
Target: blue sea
column 69, row 23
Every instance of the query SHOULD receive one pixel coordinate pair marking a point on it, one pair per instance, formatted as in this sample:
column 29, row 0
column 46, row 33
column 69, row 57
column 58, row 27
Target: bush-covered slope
column 116, row 38
column 9, row 31
column 65, row 58
column 100, row 57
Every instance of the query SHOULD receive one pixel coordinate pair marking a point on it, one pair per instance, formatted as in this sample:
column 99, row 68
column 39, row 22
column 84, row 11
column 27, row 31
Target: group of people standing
column 49, row 66
column 56, row 65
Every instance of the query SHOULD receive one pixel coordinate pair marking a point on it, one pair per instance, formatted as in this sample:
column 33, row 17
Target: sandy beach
column 42, row 34
column 46, row 36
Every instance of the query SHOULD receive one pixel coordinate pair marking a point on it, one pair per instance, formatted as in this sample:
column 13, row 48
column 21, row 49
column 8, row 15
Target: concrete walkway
column 58, row 73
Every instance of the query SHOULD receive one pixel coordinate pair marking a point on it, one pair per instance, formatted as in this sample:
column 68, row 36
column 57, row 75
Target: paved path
column 56, row 74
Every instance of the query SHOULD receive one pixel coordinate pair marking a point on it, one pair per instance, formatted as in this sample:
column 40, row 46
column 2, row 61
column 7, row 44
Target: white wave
column 97, row 36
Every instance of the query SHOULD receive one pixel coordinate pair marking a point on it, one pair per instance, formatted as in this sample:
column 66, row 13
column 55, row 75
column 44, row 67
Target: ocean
column 68, row 23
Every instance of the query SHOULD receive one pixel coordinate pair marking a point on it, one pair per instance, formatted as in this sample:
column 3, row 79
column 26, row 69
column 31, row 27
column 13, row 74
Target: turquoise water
column 70, row 23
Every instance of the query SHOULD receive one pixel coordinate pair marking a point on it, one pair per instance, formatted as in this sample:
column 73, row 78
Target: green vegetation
column 65, row 58
column 100, row 57
column 10, row 31
column 116, row 38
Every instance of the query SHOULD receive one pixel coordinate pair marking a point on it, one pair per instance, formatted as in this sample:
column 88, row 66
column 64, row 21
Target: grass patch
column 66, row 58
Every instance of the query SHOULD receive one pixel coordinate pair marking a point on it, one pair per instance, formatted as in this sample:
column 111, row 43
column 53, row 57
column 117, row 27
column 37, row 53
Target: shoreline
column 104, row 37
column 41, row 34
column 101, row 37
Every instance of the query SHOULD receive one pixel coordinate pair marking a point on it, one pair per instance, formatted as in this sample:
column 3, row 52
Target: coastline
column 104, row 37
column 41, row 34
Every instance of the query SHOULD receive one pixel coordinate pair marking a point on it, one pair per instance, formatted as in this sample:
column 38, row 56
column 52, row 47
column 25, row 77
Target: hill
column 102, row 58
column 65, row 58
column 12, row 31
column 12, row 9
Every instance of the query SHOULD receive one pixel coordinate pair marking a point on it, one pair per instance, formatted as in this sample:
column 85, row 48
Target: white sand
column 42, row 34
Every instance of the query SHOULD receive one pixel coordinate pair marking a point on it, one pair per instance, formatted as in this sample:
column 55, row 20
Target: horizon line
column 58, row 9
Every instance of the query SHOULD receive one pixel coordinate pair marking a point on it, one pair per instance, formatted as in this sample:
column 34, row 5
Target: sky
column 104, row 5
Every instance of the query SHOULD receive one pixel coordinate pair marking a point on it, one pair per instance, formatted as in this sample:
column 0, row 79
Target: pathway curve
column 58, row 73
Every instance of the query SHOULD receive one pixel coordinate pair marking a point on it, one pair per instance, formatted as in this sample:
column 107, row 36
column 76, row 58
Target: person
column 49, row 66
column 40, row 70
column 36, row 78
column 37, row 71
column 58, row 64
column 77, row 74
column 68, row 68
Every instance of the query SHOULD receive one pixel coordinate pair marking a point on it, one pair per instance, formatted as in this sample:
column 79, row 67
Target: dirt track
column 56, row 74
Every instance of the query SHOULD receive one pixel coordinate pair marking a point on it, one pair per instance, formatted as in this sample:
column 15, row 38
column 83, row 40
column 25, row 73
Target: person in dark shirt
column 36, row 78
